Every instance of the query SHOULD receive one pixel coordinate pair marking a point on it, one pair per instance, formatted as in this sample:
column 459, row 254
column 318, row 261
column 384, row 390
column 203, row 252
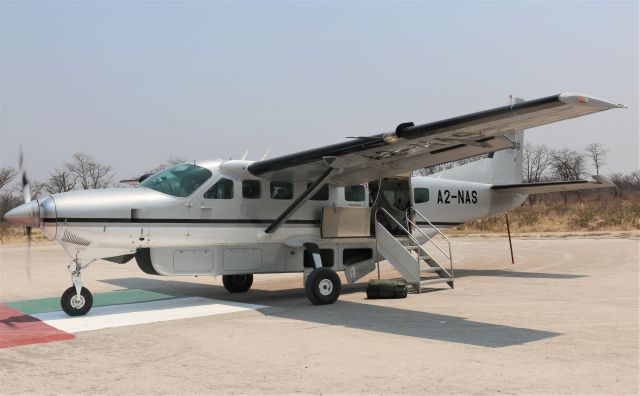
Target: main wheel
column 74, row 305
column 323, row 286
column 237, row 283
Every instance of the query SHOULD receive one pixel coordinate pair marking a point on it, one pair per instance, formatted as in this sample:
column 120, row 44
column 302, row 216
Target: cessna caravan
column 335, row 208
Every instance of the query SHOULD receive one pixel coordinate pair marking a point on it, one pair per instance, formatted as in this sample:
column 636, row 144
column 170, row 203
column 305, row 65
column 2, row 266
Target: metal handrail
column 411, row 237
column 449, row 256
column 429, row 239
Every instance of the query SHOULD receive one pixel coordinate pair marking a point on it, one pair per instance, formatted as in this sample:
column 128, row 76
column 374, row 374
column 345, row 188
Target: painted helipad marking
column 128, row 296
column 139, row 313
column 17, row 328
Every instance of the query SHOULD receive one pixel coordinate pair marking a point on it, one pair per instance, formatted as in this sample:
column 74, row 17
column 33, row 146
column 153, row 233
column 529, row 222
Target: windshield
column 179, row 181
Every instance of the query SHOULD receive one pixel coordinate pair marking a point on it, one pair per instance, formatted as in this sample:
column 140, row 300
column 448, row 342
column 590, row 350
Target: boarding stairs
column 412, row 252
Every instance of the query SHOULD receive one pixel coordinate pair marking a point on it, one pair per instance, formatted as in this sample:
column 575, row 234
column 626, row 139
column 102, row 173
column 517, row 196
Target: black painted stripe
column 538, row 184
column 440, row 223
column 198, row 221
column 169, row 221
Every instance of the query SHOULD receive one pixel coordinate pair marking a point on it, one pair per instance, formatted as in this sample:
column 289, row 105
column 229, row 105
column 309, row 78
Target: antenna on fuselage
column 266, row 153
column 244, row 157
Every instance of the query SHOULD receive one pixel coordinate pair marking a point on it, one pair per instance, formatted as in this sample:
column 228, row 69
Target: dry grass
column 593, row 213
column 10, row 233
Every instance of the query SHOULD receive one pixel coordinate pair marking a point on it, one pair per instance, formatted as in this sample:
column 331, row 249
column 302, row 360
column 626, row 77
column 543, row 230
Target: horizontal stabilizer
column 560, row 186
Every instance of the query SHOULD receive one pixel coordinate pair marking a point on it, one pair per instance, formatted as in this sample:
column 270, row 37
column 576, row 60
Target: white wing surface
column 412, row 147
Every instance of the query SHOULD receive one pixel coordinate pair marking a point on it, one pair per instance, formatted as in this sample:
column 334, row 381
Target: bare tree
column 167, row 164
column 6, row 175
column 8, row 201
column 37, row 188
column 597, row 153
column 568, row 164
column 8, row 198
column 536, row 160
column 60, row 180
column 630, row 182
column 89, row 173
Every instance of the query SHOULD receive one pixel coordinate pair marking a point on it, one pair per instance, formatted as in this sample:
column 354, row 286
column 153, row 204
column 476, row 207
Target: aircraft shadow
column 461, row 273
column 417, row 324
column 12, row 320
column 191, row 289
column 291, row 304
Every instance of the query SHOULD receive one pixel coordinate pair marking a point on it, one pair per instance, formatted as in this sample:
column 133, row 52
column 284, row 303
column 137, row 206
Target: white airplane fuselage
column 195, row 235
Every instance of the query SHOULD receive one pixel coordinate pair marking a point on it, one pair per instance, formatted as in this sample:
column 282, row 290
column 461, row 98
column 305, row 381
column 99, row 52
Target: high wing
column 549, row 187
column 412, row 147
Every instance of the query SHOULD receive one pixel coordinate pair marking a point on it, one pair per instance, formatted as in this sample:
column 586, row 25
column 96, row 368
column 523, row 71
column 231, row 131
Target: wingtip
column 579, row 99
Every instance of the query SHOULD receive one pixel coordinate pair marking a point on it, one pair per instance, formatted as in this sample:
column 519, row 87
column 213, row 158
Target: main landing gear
column 322, row 286
column 237, row 283
column 76, row 300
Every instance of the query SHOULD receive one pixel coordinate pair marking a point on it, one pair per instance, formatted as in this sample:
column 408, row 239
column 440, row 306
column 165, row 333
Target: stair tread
column 435, row 280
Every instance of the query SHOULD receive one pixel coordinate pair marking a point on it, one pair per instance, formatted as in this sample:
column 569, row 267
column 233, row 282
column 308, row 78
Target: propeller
column 26, row 197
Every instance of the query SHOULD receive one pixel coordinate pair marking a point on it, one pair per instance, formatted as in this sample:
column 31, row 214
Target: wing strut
column 313, row 188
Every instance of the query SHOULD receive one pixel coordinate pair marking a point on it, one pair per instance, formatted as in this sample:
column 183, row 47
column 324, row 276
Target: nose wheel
column 76, row 300
column 74, row 304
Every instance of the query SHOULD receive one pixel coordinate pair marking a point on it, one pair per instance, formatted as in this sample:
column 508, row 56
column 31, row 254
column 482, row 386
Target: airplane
column 340, row 207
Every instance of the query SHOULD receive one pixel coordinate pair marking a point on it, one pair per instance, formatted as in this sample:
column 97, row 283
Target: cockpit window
column 179, row 181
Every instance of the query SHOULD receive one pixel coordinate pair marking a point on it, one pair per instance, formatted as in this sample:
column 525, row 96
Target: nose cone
column 27, row 214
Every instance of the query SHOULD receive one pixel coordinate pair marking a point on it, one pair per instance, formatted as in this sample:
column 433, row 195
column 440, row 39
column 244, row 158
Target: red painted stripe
column 17, row 329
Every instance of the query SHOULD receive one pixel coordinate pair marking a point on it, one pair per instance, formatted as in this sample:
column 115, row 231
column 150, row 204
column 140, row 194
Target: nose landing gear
column 76, row 300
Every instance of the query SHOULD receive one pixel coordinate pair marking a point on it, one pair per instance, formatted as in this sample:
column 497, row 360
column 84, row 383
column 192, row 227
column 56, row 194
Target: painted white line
column 139, row 313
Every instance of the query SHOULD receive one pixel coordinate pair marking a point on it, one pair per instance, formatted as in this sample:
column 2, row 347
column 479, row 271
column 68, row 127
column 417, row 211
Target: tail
column 501, row 167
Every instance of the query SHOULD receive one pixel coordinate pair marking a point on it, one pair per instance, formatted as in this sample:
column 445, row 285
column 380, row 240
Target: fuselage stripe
column 169, row 221
column 198, row 221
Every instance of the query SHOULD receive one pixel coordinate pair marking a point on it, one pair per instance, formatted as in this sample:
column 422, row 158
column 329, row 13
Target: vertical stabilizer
column 501, row 167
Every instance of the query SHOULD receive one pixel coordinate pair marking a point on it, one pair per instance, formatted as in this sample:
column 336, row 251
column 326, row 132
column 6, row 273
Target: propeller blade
column 26, row 187
column 27, row 263
column 26, row 196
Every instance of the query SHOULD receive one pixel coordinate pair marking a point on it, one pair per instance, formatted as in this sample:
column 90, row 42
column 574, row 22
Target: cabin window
column 251, row 189
column 223, row 189
column 354, row 193
column 321, row 195
column 420, row 195
column 179, row 181
column 281, row 190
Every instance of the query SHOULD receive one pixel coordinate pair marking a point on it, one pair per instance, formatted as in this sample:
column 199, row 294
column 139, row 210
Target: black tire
column 69, row 305
column 237, row 283
column 323, row 286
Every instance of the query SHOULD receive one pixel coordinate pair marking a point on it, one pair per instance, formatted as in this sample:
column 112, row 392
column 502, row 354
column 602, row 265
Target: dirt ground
column 562, row 320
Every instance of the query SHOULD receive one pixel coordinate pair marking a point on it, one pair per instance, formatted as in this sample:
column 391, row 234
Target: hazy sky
column 133, row 83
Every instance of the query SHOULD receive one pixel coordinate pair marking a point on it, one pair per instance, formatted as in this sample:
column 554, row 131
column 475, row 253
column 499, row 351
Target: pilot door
column 216, row 211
